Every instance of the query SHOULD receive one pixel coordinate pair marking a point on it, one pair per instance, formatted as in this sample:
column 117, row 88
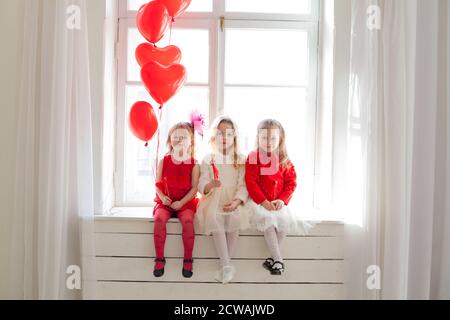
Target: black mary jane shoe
column 268, row 264
column 277, row 268
column 187, row 273
column 159, row 272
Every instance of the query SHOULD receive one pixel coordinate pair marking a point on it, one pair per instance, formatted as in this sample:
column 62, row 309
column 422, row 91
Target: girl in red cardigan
column 271, row 181
column 176, row 190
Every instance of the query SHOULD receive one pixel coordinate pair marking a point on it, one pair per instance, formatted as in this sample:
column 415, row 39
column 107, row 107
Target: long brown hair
column 237, row 159
column 282, row 151
column 182, row 125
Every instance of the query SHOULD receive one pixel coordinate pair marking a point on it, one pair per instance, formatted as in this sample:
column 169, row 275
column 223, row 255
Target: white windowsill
column 146, row 214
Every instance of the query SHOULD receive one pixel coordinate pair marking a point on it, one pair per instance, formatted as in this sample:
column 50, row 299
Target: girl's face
column 225, row 136
column 269, row 139
column 180, row 139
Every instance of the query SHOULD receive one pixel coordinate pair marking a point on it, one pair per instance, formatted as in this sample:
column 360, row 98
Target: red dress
column 267, row 180
column 176, row 182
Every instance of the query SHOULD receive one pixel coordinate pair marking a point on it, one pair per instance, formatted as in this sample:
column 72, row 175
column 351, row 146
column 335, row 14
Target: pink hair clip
column 198, row 122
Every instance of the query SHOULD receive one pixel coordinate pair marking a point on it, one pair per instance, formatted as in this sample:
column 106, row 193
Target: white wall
column 11, row 32
column 11, row 16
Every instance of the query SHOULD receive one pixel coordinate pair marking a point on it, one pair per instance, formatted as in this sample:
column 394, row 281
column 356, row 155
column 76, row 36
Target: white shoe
column 218, row 275
column 228, row 274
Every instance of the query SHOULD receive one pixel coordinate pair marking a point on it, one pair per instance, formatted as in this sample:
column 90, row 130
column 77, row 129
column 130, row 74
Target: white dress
column 283, row 220
column 210, row 215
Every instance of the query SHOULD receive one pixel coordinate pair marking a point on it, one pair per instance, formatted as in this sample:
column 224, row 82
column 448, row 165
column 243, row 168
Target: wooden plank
column 297, row 271
column 252, row 247
column 210, row 291
column 174, row 227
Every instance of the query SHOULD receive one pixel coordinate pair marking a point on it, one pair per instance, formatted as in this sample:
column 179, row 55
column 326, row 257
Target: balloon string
column 170, row 34
column 159, row 137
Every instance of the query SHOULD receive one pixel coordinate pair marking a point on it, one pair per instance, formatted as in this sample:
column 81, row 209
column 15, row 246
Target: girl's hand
column 212, row 185
column 268, row 205
column 166, row 201
column 232, row 206
column 177, row 205
column 278, row 204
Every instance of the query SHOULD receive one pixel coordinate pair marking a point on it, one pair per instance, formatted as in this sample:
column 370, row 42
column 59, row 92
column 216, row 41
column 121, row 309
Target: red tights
column 186, row 218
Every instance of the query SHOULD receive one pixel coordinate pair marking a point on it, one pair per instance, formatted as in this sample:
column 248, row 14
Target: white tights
column 274, row 240
column 225, row 245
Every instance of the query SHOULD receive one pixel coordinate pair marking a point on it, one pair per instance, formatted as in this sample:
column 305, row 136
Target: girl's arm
column 160, row 192
column 252, row 182
column 241, row 192
column 193, row 192
column 165, row 199
column 290, row 184
column 205, row 176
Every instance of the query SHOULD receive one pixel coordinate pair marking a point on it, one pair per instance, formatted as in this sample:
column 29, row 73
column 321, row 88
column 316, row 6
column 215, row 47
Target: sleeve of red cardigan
column 252, row 179
column 290, row 184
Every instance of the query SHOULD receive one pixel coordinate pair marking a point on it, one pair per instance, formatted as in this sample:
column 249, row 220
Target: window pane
column 139, row 161
column 193, row 43
column 196, row 5
column 270, row 6
column 249, row 106
column 252, row 57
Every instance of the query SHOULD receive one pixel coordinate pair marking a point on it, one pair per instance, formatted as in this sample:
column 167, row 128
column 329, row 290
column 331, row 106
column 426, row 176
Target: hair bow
column 198, row 122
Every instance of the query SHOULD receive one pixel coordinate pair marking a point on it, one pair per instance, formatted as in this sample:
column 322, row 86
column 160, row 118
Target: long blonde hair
column 237, row 159
column 182, row 125
column 282, row 151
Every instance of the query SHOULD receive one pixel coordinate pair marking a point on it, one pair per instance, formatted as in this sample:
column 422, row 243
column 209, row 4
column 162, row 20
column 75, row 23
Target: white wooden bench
column 125, row 254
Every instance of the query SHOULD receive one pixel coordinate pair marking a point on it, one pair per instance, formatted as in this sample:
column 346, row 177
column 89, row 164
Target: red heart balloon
column 176, row 7
column 152, row 20
column 163, row 82
column 147, row 52
column 142, row 121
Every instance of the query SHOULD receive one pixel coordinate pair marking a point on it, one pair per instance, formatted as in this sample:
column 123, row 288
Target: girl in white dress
column 222, row 211
column 271, row 182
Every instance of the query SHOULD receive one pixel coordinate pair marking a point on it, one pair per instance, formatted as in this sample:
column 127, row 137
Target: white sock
column 272, row 244
column 220, row 242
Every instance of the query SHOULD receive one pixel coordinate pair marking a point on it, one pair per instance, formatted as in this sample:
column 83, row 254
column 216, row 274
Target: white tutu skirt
column 283, row 220
column 211, row 218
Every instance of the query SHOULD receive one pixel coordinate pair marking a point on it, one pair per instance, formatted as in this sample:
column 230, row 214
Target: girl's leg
column 281, row 237
column 271, row 238
column 161, row 217
column 232, row 239
column 220, row 242
column 187, row 221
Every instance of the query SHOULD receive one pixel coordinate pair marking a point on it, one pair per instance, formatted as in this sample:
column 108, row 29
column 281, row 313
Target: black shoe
column 268, row 264
column 187, row 273
column 277, row 268
column 159, row 272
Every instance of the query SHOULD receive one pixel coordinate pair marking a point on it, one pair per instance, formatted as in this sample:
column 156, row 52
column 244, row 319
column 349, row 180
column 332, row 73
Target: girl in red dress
column 271, row 182
column 176, row 190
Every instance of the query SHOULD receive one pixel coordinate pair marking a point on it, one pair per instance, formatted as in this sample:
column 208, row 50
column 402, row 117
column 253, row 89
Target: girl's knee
column 161, row 217
column 187, row 217
column 188, row 223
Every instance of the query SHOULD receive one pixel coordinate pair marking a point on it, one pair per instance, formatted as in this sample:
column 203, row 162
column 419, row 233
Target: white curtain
column 53, row 216
column 399, row 142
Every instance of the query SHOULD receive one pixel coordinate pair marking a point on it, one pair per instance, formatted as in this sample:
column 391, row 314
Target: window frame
column 216, row 83
column 122, row 82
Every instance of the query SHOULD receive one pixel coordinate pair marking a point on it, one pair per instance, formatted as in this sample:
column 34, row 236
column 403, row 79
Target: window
column 251, row 59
